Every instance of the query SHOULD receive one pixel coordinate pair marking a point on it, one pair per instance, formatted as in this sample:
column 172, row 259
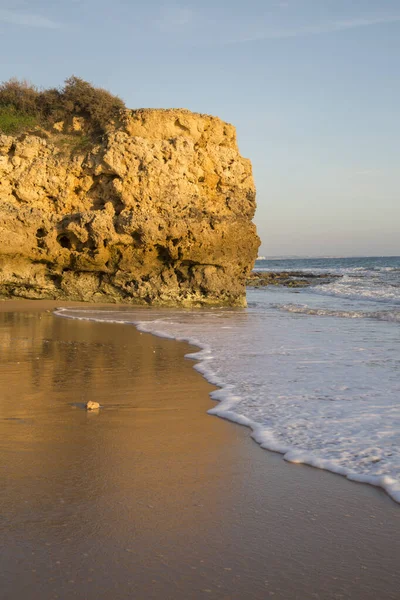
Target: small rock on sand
column 92, row 405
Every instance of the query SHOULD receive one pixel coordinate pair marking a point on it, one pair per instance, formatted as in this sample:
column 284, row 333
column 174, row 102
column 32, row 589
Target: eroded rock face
column 159, row 213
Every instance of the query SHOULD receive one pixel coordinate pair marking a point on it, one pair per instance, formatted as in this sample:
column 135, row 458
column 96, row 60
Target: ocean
column 314, row 372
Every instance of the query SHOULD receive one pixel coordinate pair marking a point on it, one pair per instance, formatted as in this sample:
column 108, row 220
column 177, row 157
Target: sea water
column 314, row 372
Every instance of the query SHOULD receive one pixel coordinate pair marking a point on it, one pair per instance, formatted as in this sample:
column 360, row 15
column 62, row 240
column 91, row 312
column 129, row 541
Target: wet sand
column 151, row 497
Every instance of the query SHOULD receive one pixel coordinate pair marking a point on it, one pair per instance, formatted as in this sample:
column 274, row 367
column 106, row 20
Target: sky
column 312, row 87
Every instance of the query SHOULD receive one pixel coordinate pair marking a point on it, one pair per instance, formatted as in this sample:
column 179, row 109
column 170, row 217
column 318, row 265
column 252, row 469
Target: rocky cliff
column 159, row 212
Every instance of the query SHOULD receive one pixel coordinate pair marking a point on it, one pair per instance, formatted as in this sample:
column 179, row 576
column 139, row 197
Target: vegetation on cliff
column 25, row 108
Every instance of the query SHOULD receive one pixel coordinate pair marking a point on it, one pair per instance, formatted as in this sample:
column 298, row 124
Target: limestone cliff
column 159, row 212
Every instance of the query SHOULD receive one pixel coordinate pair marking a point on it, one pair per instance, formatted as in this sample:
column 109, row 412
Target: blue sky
column 312, row 86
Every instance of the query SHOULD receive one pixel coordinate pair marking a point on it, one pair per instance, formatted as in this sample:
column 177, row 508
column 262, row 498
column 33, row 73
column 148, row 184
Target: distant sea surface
column 315, row 372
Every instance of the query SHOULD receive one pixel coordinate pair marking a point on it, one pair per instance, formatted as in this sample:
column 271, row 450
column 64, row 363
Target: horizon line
column 305, row 256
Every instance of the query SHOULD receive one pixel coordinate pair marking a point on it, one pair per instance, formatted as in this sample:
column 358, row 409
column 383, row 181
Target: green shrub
column 19, row 94
column 21, row 102
column 95, row 104
column 50, row 107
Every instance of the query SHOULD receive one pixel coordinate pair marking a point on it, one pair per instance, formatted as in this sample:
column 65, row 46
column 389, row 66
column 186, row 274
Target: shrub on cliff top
column 45, row 107
column 20, row 95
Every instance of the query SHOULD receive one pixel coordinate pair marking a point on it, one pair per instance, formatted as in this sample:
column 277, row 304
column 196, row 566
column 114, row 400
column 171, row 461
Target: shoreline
column 189, row 506
column 266, row 441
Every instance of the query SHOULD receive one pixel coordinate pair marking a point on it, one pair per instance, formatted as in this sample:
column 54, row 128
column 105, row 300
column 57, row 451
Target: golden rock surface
column 158, row 213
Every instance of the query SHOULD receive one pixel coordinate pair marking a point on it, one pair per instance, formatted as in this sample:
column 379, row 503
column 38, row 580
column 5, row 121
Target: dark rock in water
column 292, row 279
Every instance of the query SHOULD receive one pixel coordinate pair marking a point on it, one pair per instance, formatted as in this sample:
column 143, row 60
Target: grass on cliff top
column 13, row 122
column 23, row 107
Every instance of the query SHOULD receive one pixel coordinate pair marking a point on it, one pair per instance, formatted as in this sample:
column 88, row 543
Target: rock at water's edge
column 160, row 213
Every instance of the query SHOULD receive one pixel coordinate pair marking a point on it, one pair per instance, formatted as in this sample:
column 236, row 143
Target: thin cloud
column 369, row 172
column 317, row 29
column 26, row 19
column 175, row 18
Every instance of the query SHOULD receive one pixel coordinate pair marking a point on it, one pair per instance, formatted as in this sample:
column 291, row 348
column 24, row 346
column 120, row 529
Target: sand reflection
column 69, row 473
column 152, row 498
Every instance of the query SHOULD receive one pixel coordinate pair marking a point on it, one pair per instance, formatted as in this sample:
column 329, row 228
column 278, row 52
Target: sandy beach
column 151, row 497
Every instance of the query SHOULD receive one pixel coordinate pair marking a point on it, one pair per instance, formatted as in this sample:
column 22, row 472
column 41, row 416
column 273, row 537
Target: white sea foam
column 383, row 315
column 323, row 392
column 371, row 279
column 358, row 288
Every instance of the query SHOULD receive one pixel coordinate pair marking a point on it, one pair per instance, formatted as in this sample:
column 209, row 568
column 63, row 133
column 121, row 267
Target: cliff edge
column 159, row 212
